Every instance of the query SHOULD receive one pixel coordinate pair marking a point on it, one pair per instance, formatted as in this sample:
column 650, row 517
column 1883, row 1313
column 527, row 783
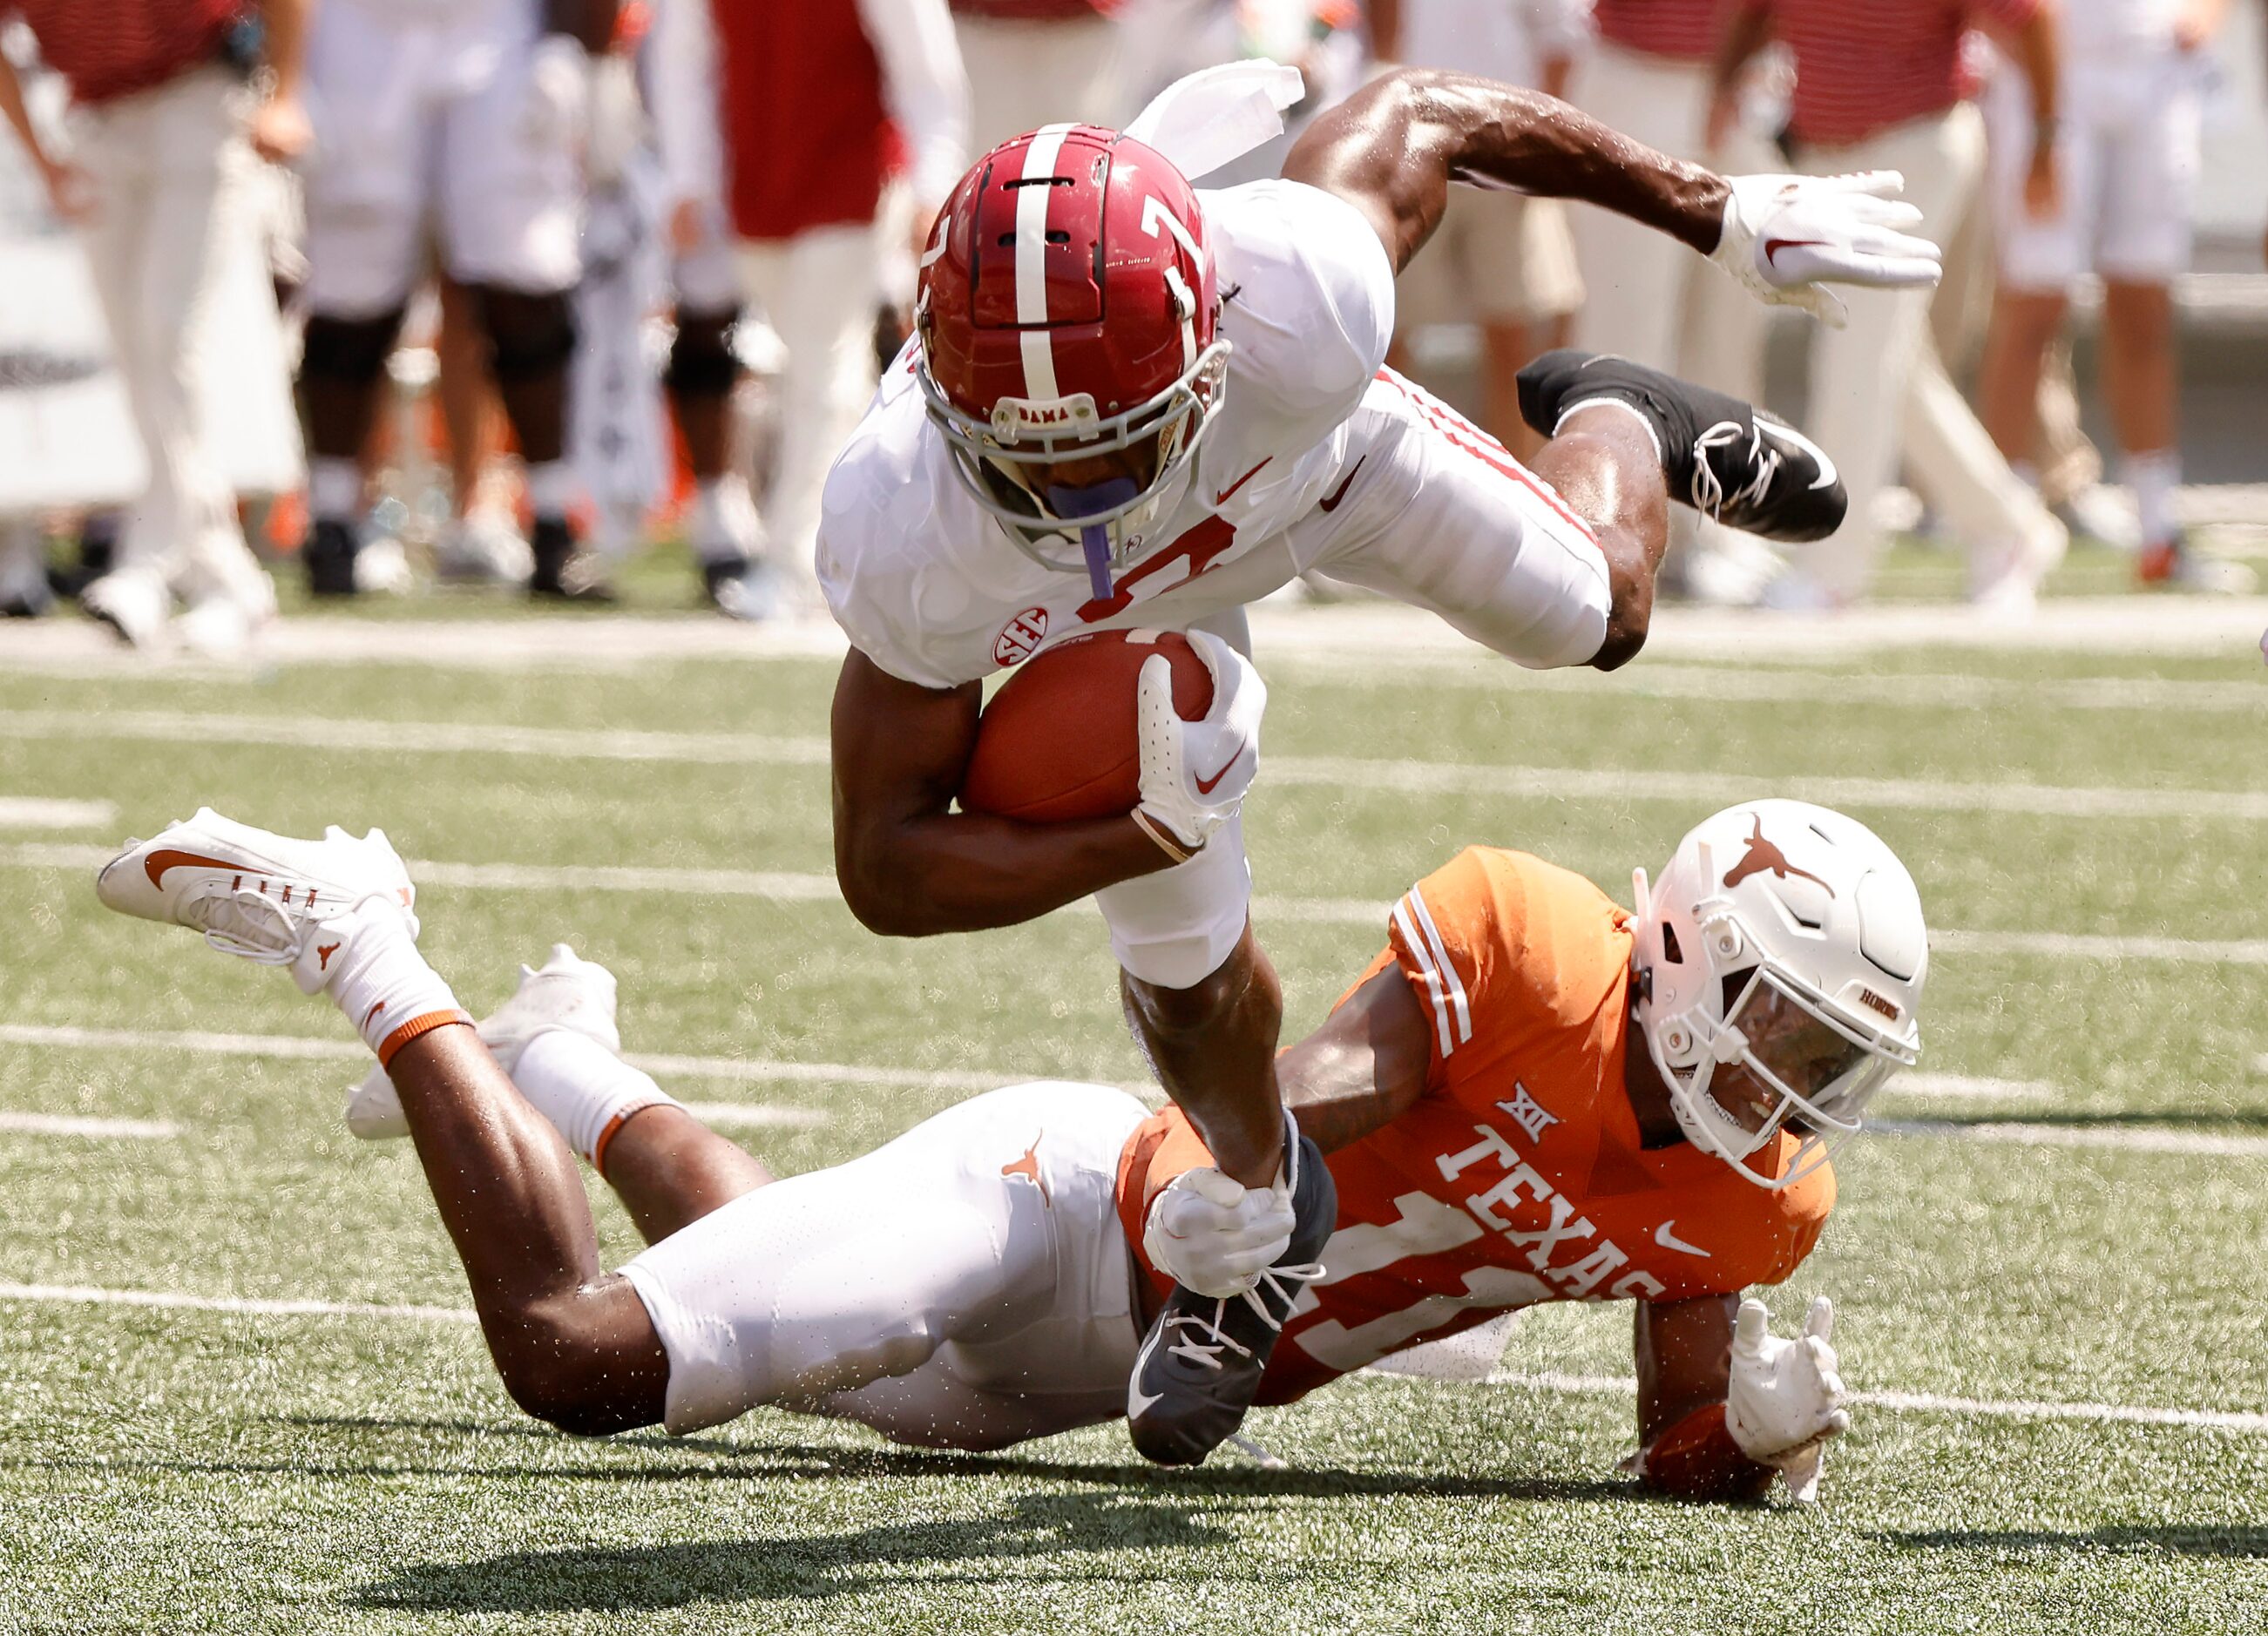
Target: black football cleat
column 1200, row 1365
column 566, row 570
column 1723, row 457
column 329, row 556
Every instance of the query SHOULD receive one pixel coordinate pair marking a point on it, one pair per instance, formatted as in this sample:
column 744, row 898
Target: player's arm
column 1723, row 1405
column 589, row 23
column 911, row 866
column 1364, row 1065
column 1392, row 150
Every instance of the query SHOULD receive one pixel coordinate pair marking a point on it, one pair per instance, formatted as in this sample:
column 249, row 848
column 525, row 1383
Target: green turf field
column 2074, row 1213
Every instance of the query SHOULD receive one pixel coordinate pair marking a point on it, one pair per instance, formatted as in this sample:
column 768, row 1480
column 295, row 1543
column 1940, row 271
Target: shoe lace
column 251, row 926
column 1191, row 1342
column 1709, row 496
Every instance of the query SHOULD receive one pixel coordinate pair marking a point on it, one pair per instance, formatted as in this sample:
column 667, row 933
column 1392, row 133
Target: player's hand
column 1785, row 1399
column 1212, row 1234
column 1786, row 236
column 2042, row 192
column 1195, row 774
column 280, row 130
column 70, row 192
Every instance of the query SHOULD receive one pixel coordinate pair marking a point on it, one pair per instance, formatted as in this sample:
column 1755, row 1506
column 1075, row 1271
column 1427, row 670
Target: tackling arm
column 1364, row 1065
column 1724, row 1404
column 909, row 865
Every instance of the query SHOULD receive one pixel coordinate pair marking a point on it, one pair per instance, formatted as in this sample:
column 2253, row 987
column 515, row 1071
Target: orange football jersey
column 1517, row 1177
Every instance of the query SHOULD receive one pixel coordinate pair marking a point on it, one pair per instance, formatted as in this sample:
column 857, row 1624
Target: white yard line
column 2123, row 1138
column 793, row 886
column 67, row 1124
column 1338, row 773
column 40, row 812
column 1550, row 1380
column 1970, row 1087
column 1934, row 1403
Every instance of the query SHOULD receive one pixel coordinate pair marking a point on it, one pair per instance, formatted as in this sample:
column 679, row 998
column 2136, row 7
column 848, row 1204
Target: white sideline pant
column 966, row 1286
column 818, row 290
column 170, row 168
column 1024, row 75
column 1861, row 376
column 1648, row 297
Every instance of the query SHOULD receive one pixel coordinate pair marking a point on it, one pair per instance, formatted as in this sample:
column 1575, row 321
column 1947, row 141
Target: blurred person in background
column 837, row 126
column 1501, row 259
column 166, row 127
column 461, row 119
column 1034, row 62
column 2130, row 84
column 1647, row 74
column 1883, row 88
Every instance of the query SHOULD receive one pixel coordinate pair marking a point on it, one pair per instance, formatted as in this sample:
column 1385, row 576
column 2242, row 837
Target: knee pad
column 352, row 350
column 529, row 336
column 702, row 361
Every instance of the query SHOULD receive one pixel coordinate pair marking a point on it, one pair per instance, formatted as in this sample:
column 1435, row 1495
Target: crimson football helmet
column 1068, row 310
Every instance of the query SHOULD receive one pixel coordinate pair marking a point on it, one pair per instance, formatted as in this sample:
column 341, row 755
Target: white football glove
column 1211, row 1234
column 1195, row 774
column 1785, row 1399
column 1784, row 235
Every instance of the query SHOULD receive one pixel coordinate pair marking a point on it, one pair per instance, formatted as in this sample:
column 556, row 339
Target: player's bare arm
column 589, row 23
column 1393, row 148
column 1362, row 1067
column 1684, row 1353
column 910, row 865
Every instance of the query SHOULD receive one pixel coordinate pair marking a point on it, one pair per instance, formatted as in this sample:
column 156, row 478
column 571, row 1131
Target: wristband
column 1156, row 832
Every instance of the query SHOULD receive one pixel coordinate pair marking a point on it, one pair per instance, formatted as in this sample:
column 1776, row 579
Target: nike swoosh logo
column 1773, row 246
column 1339, row 494
column 158, row 863
column 1205, row 785
column 1139, row 1402
column 1669, row 1240
column 1826, row 467
column 1222, row 497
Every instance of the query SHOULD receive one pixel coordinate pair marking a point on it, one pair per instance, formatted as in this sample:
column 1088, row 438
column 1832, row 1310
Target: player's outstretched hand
column 1195, row 774
column 1785, row 236
column 1785, row 1399
column 1211, row 1234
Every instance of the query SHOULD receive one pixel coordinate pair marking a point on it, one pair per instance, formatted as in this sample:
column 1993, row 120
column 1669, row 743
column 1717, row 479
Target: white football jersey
column 928, row 585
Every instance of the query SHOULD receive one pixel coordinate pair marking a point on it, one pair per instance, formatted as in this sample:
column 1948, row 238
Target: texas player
column 1497, row 1141
column 1133, row 402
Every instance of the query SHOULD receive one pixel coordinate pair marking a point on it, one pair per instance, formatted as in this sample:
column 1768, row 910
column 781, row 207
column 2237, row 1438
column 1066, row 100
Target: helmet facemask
column 1098, row 529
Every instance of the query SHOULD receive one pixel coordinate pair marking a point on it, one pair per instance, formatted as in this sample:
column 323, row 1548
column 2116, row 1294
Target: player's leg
column 509, row 220
column 573, row 1344
column 556, row 1039
column 364, row 205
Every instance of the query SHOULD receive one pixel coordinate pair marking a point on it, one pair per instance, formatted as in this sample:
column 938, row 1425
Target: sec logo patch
column 1020, row 637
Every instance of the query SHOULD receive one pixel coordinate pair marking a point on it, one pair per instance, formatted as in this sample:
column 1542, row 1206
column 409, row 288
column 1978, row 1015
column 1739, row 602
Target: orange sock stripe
column 415, row 1026
column 606, row 1136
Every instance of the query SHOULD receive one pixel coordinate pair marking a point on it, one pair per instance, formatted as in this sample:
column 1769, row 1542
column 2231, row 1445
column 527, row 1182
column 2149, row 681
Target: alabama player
column 1134, row 403
column 1531, row 1096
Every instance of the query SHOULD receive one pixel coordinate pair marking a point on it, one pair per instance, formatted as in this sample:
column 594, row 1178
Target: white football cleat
column 568, row 992
column 260, row 896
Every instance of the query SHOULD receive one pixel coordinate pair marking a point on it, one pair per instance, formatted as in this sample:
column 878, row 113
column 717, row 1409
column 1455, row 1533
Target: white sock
column 368, row 963
column 584, row 1090
column 1627, row 408
column 551, row 487
column 2153, row 477
column 334, row 489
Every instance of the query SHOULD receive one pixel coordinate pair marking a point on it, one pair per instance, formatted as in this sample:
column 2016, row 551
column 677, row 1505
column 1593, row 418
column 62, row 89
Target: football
column 1059, row 741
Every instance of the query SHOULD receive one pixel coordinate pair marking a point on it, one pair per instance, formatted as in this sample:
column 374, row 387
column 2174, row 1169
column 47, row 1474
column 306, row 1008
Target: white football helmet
column 1788, row 940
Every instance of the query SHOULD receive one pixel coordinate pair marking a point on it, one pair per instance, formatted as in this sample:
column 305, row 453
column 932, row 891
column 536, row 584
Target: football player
column 1131, row 402
column 1531, row 1095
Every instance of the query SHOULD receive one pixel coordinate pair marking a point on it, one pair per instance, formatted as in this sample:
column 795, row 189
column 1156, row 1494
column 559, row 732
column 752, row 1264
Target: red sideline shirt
column 1684, row 29
column 117, row 48
column 1863, row 66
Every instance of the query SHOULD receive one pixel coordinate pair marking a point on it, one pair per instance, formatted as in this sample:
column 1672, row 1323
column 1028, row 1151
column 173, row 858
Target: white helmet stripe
column 1032, row 261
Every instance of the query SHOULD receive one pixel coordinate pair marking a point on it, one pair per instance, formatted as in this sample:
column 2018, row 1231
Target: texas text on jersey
column 1519, row 1177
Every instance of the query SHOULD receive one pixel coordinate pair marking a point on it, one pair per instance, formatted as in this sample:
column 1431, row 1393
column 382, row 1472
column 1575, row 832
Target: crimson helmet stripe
column 1032, row 261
